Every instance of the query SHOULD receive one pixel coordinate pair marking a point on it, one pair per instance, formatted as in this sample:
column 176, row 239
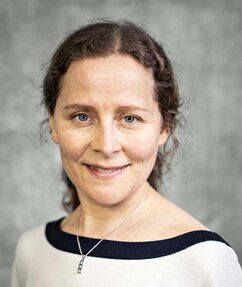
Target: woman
column 113, row 107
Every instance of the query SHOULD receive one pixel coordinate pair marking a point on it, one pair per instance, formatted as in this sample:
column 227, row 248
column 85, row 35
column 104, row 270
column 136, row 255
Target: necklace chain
column 83, row 256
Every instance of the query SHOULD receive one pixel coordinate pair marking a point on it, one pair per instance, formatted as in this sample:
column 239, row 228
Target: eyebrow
column 79, row 107
column 119, row 109
column 131, row 108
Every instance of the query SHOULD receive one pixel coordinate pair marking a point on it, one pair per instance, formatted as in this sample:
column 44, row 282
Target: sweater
column 46, row 256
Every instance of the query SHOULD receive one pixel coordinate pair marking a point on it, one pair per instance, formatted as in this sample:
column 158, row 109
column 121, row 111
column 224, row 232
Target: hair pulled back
column 104, row 38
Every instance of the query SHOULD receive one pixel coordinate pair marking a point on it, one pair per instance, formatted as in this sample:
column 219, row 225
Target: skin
column 109, row 128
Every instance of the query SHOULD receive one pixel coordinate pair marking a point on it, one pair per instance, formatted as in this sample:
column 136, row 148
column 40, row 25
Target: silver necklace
column 83, row 256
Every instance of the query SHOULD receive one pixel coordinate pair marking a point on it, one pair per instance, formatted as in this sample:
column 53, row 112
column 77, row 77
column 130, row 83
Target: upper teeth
column 102, row 169
column 105, row 170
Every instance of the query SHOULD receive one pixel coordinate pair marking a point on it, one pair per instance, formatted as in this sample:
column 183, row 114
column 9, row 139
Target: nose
column 105, row 139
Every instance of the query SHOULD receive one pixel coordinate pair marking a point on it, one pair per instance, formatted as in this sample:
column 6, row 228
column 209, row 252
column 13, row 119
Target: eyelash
column 134, row 118
column 77, row 117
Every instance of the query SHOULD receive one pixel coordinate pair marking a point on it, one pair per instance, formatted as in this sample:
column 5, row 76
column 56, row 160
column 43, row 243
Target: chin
column 109, row 201
column 107, row 197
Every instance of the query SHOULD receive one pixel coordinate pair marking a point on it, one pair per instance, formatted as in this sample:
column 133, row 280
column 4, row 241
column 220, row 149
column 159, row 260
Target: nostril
column 106, row 147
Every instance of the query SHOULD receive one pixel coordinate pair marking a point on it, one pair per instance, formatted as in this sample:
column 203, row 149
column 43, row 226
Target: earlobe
column 53, row 133
column 164, row 135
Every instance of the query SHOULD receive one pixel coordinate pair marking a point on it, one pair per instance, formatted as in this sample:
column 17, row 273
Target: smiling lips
column 106, row 172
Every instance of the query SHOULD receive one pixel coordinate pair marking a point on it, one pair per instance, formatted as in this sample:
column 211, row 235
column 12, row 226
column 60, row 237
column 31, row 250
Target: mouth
column 106, row 172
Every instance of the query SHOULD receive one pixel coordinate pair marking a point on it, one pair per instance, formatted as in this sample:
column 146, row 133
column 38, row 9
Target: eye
column 82, row 117
column 130, row 119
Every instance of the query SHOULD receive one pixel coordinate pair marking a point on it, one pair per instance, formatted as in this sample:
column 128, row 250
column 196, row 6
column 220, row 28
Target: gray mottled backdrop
column 204, row 41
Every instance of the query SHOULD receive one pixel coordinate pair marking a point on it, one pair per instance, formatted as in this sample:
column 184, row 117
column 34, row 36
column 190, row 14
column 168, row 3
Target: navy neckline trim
column 127, row 250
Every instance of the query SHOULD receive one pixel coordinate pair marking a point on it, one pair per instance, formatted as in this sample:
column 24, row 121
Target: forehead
column 114, row 71
column 114, row 80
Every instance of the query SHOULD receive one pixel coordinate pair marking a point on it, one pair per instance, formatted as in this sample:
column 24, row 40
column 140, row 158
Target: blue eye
column 82, row 117
column 129, row 119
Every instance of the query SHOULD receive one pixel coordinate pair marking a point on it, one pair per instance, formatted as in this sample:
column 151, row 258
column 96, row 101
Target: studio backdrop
column 203, row 39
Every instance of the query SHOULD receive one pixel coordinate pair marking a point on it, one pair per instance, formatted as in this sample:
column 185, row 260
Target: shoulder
column 170, row 220
column 32, row 234
column 210, row 248
column 208, row 258
column 29, row 241
column 217, row 261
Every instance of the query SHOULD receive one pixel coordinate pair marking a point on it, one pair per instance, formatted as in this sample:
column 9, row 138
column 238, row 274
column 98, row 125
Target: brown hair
column 104, row 38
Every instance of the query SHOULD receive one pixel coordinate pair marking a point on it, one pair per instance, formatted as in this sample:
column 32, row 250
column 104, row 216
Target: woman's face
column 108, row 127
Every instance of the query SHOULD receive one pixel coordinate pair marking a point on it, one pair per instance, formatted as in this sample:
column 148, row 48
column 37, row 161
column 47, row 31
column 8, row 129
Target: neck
column 97, row 221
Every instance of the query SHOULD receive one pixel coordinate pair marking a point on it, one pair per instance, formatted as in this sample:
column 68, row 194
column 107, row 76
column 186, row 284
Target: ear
column 53, row 132
column 165, row 132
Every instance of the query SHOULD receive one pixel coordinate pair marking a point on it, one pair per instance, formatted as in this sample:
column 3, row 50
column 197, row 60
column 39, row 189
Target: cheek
column 143, row 147
column 70, row 145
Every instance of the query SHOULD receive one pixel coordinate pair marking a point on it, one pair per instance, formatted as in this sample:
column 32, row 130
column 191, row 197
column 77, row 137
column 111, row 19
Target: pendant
column 79, row 270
